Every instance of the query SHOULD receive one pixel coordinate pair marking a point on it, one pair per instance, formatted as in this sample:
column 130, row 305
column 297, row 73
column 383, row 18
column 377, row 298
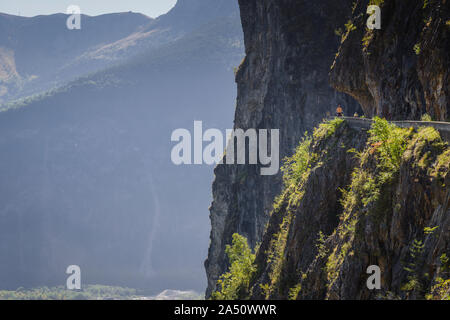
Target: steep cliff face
column 400, row 71
column 282, row 84
column 359, row 198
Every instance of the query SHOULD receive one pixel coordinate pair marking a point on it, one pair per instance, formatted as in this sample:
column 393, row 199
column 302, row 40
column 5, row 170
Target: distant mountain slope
column 181, row 17
column 85, row 170
column 45, row 53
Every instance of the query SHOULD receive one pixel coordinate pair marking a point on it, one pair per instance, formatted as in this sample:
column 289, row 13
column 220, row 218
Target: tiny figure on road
column 339, row 111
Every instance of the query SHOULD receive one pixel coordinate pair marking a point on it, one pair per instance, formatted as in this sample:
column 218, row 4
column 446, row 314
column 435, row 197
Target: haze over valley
column 87, row 115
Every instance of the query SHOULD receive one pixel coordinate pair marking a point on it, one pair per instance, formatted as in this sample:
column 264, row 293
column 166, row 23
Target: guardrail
column 364, row 124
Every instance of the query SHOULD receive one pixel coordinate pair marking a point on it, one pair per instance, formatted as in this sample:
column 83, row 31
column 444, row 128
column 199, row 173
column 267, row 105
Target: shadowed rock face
column 402, row 70
column 282, row 84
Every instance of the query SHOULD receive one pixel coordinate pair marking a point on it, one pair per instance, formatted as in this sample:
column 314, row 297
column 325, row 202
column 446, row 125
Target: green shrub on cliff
column 387, row 144
column 234, row 284
column 441, row 289
column 295, row 167
column 389, row 141
column 327, row 129
column 442, row 165
column 417, row 48
column 376, row 2
column 414, row 277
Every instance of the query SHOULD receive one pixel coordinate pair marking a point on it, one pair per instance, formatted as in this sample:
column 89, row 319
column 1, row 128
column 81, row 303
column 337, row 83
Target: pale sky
column 29, row 8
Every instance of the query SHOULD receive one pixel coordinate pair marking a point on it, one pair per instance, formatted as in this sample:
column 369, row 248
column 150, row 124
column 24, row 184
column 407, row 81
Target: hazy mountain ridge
column 43, row 48
column 47, row 54
column 220, row 40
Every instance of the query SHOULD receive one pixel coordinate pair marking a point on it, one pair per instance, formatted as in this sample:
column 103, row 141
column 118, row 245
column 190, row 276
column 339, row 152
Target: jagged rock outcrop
column 350, row 213
column 282, row 84
column 400, row 71
column 294, row 225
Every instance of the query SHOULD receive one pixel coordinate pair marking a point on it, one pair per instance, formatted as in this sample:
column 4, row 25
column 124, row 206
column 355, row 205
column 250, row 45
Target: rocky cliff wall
column 282, row 84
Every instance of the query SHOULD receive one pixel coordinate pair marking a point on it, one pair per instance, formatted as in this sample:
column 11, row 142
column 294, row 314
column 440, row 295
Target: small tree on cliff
column 234, row 284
